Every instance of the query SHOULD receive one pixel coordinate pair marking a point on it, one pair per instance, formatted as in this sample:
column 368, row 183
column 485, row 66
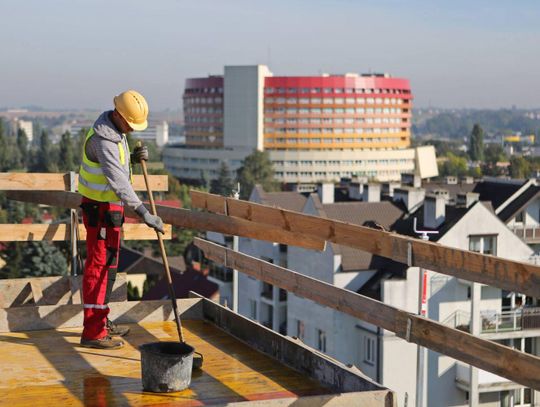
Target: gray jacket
column 102, row 147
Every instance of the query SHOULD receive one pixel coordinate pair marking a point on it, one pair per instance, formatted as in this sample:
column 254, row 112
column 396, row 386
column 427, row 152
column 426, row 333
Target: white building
column 25, row 125
column 156, row 131
column 468, row 224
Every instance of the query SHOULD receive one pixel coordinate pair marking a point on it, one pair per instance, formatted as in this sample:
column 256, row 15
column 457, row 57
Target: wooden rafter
column 517, row 366
column 61, row 232
column 187, row 219
column 495, row 271
column 60, row 182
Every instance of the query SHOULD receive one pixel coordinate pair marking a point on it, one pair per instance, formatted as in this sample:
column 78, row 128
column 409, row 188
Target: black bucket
column 166, row 366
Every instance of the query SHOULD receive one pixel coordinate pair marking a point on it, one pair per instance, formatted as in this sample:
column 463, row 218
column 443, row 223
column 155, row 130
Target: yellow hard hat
column 133, row 108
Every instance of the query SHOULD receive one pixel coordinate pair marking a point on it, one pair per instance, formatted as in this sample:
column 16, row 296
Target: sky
column 77, row 54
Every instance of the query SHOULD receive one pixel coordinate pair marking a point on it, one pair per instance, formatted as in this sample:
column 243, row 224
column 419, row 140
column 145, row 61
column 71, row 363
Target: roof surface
column 453, row 189
column 292, row 201
column 384, row 213
column 518, row 204
column 453, row 214
column 44, row 368
column 497, row 192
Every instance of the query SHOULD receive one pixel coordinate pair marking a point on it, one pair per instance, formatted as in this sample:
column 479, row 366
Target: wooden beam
column 60, row 182
column 61, row 232
column 498, row 359
column 18, row 292
column 291, row 352
column 34, row 318
column 234, row 226
column 187, row 219
column 495, row 271
column 63, row 199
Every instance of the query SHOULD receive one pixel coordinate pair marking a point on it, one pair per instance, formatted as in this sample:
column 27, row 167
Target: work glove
column 154, row 222
column 139, row 153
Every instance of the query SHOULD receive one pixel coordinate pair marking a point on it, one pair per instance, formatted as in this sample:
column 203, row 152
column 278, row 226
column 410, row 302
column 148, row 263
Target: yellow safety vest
column 92, row 182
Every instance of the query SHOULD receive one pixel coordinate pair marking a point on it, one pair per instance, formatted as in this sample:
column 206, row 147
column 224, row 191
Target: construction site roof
column 43, row 363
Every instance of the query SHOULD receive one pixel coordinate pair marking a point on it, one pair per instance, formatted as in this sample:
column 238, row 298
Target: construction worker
column 105, row 185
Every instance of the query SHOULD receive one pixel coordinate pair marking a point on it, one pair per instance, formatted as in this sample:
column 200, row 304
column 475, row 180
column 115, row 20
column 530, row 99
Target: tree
column 204, row 181
column 476, row 143
column 44, row 158
column 494, row 153
column 9, row 154
column 3, row 148
column 66, row 157
column 30, row 259
column 256, row 169
column 519, row 167
column 22, row 144
column 454, row 165
column 80, row 138
column 223, row 184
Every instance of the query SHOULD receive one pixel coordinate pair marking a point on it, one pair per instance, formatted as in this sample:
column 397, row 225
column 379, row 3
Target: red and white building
column 315, row 128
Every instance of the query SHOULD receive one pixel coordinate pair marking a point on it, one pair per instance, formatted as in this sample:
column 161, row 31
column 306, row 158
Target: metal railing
column 527, row 233
column 494, row 322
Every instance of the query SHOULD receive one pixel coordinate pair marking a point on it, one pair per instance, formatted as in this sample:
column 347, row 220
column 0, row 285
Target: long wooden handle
column 163, row 253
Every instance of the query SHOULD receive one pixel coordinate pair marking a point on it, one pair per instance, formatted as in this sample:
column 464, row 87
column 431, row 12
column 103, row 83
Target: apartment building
column 466, row 223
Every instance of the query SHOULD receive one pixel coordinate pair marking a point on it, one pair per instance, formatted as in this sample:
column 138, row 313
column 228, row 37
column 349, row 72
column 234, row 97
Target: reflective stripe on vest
column 92, row 182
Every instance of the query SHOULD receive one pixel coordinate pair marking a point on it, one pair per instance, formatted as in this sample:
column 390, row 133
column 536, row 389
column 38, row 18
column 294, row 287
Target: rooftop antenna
column 424, row 234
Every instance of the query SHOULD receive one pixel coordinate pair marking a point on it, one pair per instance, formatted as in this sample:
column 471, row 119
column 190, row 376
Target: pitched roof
column 518, row 204
column 497, row 191
column 453, row 189
column 184, row 280
column 290, row 200
column 381, row 214
column 190, row 280
column 453, row 214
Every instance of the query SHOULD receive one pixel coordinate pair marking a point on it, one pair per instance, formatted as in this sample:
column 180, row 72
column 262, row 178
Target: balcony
column 487, row 382
column 496, row 322
column 529, row 234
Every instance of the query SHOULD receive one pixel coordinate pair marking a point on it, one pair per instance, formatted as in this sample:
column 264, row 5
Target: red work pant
column 102, row 221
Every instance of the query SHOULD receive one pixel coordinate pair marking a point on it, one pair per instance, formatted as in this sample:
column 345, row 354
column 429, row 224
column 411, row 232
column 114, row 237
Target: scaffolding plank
column 495, row 271
column 60, row 182
column 61, row 232
column 185, row 218
column 498, row 359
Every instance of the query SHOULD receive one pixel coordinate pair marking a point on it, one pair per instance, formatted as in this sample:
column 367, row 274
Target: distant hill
column 456, row 124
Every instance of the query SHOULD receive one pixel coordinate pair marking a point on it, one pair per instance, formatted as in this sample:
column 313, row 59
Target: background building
column 464, row 222
column 25, row 125
column 157, row 131
column 315, row 128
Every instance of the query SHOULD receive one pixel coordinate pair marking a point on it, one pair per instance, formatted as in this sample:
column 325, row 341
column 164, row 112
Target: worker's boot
column 116, row 330
column 103, row 343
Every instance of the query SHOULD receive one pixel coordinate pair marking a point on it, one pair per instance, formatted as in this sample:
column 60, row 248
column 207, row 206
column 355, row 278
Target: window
column 321, row 340
column 483, row 244
column 520, row 217
column 369, row 350
column 253, row 309
column 300, row 329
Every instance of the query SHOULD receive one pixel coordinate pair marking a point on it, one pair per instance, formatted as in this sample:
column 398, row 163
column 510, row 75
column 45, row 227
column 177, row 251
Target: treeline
column 17, row 154
column 23, row 259
column 481, row 159
column 458, row 124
